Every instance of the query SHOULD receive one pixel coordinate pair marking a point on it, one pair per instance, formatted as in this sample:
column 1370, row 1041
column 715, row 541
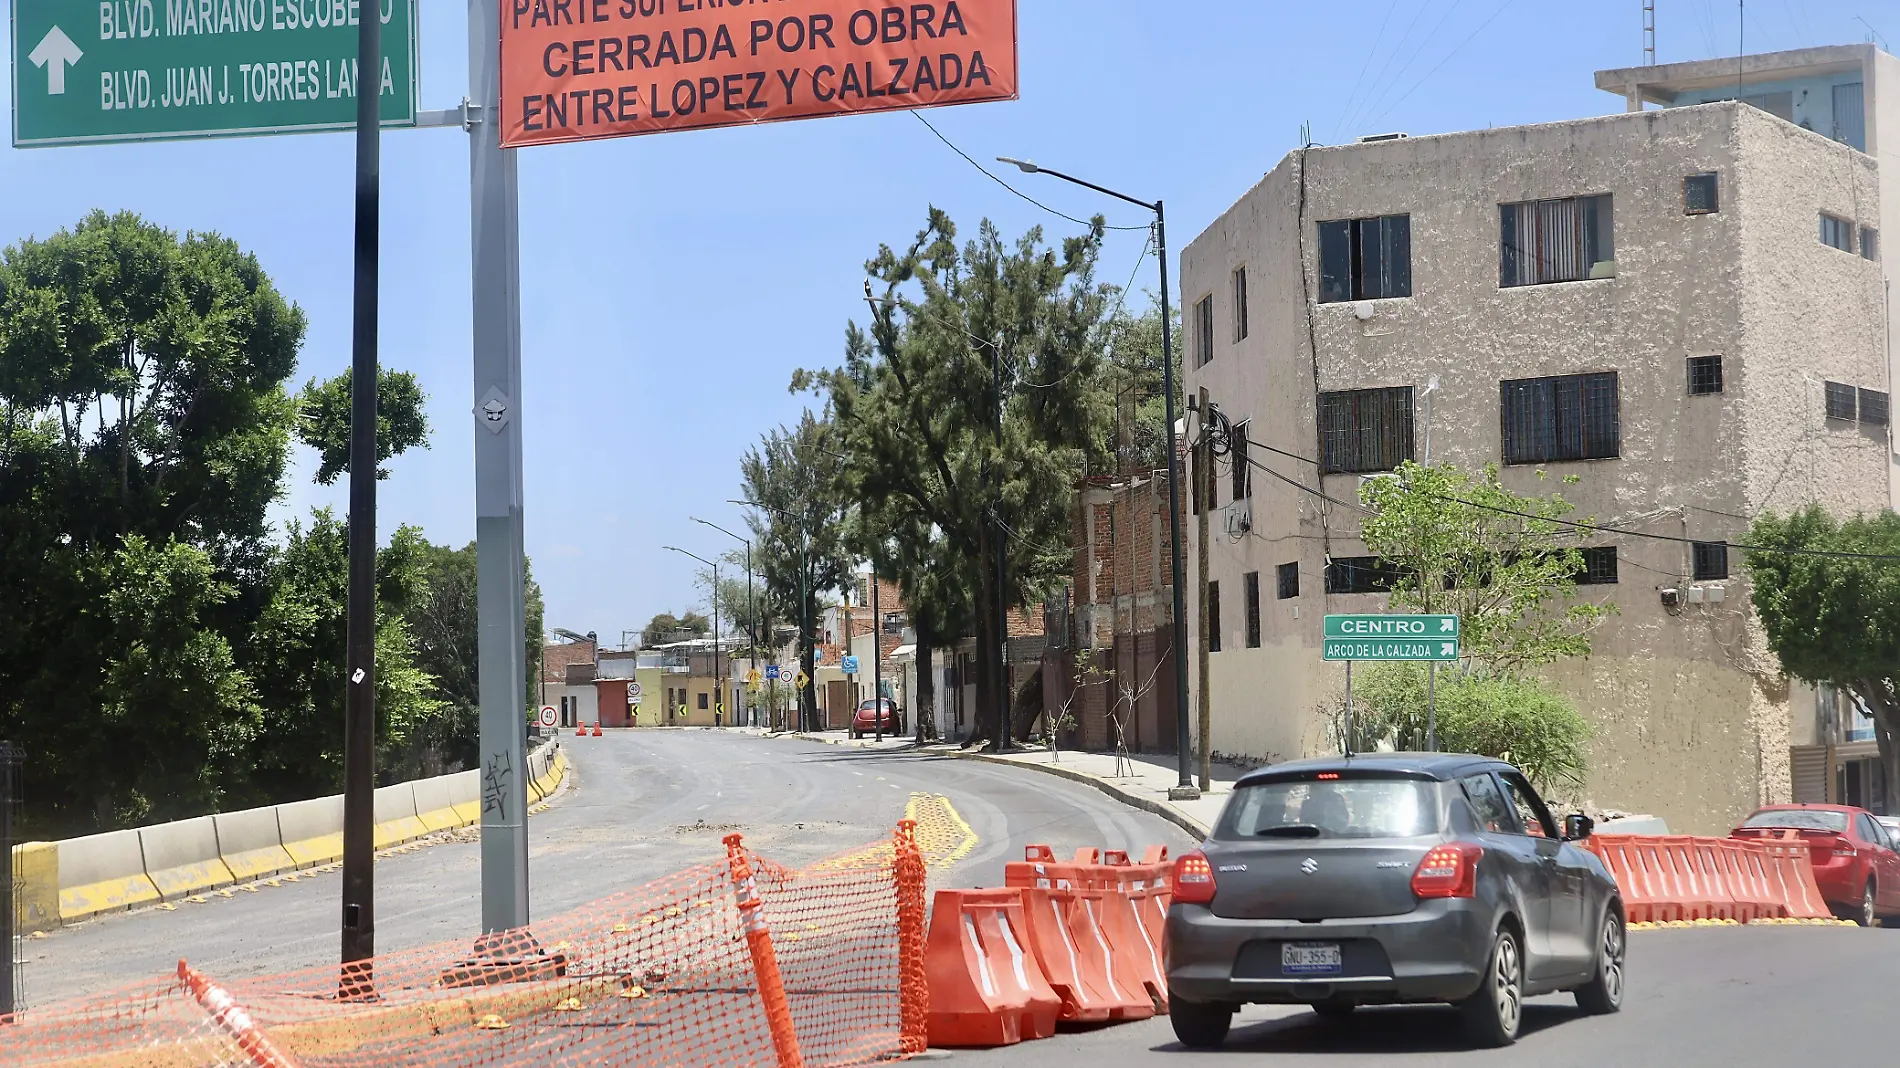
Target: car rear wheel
column 1200, row 1025
column 1866, row 915
column 1492, row 1014
column 1604, row 993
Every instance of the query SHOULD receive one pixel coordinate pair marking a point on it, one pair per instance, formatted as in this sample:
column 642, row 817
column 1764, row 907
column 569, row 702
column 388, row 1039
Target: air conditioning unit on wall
column 1240, row 517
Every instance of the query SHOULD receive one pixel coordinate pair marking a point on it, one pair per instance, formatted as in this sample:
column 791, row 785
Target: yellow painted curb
column 36, row 887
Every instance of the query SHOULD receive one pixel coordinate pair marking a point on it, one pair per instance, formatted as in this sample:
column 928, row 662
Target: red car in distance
column 864, row 720
column 1855, row 864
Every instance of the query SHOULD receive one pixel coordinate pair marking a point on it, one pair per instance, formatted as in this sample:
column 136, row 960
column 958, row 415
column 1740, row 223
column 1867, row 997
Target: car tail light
column 1844, row 848
column 1449, row 870
column 1193, row 879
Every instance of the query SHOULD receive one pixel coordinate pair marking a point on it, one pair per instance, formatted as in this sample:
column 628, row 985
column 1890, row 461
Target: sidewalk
column 1144, row 781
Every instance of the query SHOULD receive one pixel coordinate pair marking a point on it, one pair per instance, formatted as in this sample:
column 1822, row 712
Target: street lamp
column 718, row 682
column 752, row 613
column 1185, row 789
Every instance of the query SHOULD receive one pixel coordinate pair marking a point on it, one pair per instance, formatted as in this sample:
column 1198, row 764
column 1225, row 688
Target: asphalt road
column 640, row 805
column 1705, row 996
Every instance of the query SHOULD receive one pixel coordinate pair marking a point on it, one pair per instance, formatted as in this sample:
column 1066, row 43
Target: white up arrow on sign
column 55, row 52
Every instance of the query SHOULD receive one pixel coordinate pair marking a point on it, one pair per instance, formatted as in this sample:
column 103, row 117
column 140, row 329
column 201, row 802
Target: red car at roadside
column 1855, row 864
column 865, row 720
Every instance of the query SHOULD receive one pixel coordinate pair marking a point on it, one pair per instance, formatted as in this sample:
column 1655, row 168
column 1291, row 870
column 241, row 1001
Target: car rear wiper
column 1290, row 830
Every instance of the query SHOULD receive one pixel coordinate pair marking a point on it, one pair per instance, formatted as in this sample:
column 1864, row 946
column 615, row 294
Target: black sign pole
column 359, row 715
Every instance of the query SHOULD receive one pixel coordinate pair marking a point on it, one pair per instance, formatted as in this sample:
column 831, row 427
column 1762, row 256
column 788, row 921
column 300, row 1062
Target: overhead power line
column 992, row 177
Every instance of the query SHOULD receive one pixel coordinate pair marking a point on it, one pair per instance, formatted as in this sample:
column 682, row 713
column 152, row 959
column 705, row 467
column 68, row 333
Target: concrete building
column 1672, row 306
column 1848, row 93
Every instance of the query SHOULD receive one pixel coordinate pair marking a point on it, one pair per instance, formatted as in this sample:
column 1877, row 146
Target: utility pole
column 877, row 658
column 999, row 651
column 1204, row 486
column 500, row 557
column 359, row 703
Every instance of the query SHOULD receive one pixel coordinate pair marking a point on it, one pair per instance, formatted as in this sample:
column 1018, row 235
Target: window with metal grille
column 1365, row 259
column 1840, row 400
column 1850, row 115
column 1564, row 240
column 1711, row 559
column 1699, row 196
column 1253, row 609
column 1205, row 482
column 1869, row 243
column 1365, row 429
column 1873, row 407
column 1204, row 331
column 1568, row 417
column 1288, row 577
column 1599, row 566
column 1240, row 304
column 1213, row 617
column 1359, row 574
column 1237, row 455
column 1705, row 375
column 1837, row 233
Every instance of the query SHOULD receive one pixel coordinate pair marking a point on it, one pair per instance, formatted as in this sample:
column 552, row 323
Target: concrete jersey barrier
column 182, row 857
column 251, row 843
column 101, row 873
column 75, row 879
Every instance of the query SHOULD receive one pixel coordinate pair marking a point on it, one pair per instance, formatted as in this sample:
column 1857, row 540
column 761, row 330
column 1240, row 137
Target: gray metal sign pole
column 499, row 553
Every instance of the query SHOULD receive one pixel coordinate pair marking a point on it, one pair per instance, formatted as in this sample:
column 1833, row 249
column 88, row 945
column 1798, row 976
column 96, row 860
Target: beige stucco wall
column 1691, row 714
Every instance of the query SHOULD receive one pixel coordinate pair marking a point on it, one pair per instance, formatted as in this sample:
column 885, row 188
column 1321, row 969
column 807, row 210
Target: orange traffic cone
column 596, row 728
column 580, row 730
column 233, row 1020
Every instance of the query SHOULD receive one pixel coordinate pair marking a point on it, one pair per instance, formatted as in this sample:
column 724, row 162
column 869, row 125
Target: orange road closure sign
column 576, row 70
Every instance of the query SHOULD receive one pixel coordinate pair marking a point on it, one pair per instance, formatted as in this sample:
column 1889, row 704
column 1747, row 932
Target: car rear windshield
column 1804, row 819
column 1331, row 808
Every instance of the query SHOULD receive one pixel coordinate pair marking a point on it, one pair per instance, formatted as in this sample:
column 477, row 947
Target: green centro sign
column 1391, row 637
column 97, row 71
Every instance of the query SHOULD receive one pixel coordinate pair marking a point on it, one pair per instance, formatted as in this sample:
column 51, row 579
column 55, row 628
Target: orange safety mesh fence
column 741, row 962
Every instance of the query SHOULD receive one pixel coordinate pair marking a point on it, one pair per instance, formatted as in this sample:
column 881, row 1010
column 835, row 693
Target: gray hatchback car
column 1391, row 878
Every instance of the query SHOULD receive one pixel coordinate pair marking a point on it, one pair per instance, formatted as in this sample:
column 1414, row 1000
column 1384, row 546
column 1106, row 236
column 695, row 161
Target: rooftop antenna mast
column 1649, row 33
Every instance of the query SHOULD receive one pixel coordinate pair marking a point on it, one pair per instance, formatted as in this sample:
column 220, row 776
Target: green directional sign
column 93, row 71
column 1391, row 637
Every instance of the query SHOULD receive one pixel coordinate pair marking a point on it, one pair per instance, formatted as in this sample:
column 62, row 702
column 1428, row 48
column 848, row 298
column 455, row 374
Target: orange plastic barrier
column 1076, row 958
column 1681, row 877
column 986, row 989
column 1039, row 867
column 1791, row 866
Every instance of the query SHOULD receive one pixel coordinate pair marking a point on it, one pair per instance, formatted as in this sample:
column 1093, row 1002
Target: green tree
column 324, row 423
column 144, row 430
column 1134, row 383
column 663, row 626
column 960, row 337
column 1505, row 563
column 1835, row 619
column 797, row 523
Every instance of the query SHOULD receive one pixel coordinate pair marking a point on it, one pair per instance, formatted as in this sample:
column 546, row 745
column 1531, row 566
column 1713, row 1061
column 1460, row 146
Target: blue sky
column 671, row 284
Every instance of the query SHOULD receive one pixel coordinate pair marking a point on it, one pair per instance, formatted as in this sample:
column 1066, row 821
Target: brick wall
column 556, row 658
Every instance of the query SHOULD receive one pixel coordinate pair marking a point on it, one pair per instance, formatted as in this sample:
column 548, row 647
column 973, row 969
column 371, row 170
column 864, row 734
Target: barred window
column 1288, row 577
column 1705, row 375
column 1213, row 617
column 1568, row 417
column 1711, row 559
column 1599, row 566
column 1253, row 609
column 1365, row 429
column 1360, row 574
column 1699, row 195
column 1564, row 240
column 1237, row 456
column 1365, row 259
column 1873, row 407
column 1837, row 233
column 1240, row 304
column 1204, row 331
column 1840, row 400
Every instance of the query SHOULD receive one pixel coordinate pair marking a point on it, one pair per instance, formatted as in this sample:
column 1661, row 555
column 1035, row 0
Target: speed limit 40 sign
column 549, row 717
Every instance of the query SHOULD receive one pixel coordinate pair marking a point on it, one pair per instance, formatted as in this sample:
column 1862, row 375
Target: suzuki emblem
column 1309, row 865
